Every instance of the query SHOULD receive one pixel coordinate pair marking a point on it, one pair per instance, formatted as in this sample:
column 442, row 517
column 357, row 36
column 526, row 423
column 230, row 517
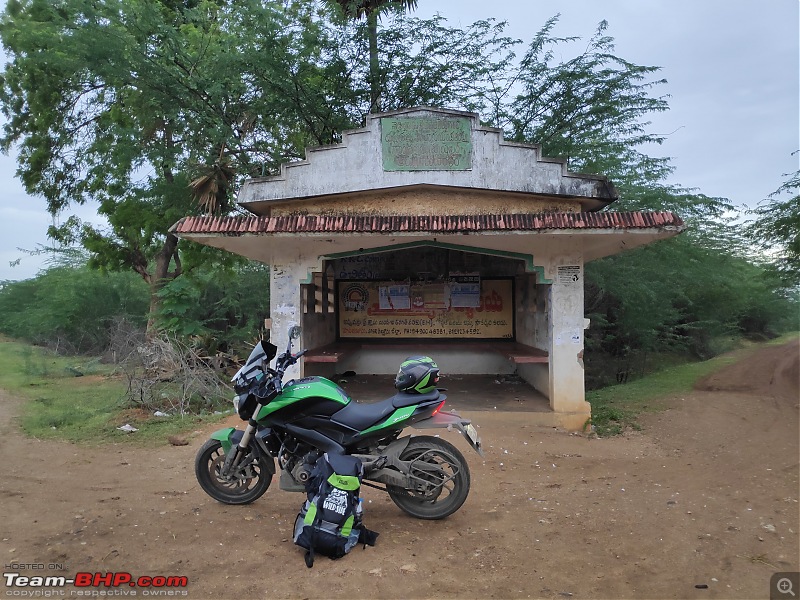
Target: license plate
column 473, row 435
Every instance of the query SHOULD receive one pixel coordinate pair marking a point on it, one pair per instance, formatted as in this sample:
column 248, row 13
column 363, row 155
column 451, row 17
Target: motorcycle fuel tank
column 309, row 395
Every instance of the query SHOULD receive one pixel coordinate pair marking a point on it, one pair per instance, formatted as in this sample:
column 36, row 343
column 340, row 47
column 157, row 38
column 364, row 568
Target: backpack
column 329, row 521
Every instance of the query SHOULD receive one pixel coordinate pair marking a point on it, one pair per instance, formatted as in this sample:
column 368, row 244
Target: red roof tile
column 424, row 224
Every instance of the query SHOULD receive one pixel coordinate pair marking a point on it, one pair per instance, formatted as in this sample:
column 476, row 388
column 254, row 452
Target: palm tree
column 371, row 9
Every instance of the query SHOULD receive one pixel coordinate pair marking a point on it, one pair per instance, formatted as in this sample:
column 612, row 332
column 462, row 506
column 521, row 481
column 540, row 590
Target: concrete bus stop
column 425, row 232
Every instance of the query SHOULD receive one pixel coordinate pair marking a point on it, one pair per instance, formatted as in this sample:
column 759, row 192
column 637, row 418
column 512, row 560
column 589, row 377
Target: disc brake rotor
column 240, row 476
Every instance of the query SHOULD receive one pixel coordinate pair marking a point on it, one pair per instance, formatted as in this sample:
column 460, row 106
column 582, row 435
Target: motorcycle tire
column 241, row 490
column 431, row 498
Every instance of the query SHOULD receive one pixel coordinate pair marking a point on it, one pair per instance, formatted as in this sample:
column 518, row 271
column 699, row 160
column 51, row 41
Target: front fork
column 234, row 454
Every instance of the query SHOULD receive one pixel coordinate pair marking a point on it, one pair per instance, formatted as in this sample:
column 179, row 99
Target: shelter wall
column 430, row 312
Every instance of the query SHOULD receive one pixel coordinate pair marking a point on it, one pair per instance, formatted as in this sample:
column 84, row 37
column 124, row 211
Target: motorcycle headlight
column 236, row 403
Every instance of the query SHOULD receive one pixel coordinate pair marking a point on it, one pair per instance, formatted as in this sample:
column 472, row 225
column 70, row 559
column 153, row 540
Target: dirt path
column 707, row 495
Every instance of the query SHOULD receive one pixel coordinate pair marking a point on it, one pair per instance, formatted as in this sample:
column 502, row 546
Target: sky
column 732, row 68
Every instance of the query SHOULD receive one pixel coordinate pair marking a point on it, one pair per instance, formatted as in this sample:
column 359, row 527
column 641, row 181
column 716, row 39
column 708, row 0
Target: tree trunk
column 161, row 277
column 155, row 301
column 374, row 69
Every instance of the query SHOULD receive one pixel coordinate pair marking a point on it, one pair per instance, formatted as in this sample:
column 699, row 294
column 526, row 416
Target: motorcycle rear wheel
column 441, row 484
column 247, row 486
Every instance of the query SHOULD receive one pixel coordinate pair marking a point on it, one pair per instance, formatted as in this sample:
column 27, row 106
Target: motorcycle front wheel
column 439, row 479
column 248, row 482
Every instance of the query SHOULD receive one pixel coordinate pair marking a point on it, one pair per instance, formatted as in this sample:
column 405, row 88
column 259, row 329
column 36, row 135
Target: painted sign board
column 426, row 144
column 373, row 309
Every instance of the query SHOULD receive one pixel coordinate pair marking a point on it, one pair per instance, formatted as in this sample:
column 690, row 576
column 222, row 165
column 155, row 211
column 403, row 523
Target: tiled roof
column 424, row 224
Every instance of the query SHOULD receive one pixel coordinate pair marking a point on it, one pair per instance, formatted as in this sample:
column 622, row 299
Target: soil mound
column 772, row 371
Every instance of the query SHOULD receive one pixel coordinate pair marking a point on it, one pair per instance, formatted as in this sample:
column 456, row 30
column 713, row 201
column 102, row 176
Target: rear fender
column 452, row 420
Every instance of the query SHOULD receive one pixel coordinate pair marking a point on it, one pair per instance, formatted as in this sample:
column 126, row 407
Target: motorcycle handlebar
column 284, row 361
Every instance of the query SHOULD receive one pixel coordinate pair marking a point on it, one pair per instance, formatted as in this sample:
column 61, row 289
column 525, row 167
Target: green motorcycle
column 294, row 423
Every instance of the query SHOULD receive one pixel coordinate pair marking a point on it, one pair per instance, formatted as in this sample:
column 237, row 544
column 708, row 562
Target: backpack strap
column 367, row 536
column 313, row 523
column 309, row 556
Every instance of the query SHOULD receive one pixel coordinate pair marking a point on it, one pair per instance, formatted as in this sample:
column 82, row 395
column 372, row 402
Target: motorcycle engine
column 301, row 472
column 301, row 468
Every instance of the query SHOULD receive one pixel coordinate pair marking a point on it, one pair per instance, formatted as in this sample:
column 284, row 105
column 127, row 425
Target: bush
column 71, row 309
column 218, row 307
column 166, row 375
column 682, row 296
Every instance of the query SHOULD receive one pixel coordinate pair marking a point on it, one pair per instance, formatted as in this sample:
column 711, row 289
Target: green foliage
column 221, row 307
column 444, row 66
column 685, row 295
column 777, row 229
column 148, row 106
column 71, row 309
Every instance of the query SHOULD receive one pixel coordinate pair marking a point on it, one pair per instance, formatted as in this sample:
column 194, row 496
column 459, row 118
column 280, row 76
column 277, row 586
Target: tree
column 371, row 10
column 777, row 228
column 149, row 107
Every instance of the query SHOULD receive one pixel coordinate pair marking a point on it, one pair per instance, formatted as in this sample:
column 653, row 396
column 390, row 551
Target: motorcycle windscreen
column 263, row 351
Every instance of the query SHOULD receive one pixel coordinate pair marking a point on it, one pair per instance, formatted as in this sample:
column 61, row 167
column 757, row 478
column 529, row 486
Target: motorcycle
column 294, row 423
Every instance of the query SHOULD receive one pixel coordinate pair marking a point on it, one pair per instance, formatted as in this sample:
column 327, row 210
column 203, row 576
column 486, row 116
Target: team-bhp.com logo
column 94, row 584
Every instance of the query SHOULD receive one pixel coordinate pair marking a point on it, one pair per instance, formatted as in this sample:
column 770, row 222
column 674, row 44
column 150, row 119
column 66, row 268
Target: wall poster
column 375, row 309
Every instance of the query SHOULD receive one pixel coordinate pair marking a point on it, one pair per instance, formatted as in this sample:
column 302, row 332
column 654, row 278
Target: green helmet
column 417, row 375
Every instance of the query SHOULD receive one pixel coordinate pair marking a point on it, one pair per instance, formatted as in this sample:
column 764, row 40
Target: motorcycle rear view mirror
column 294, row 333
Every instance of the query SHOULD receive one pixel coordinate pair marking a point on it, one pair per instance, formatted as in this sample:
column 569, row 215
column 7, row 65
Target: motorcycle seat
column 402, row 399
column 362, row 416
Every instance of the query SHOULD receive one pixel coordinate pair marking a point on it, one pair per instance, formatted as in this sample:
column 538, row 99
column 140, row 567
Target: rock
column 177, row 440
column 409, row 568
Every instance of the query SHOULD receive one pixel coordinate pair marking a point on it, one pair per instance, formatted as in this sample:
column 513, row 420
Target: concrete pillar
column 566, row 323
column 286, row 304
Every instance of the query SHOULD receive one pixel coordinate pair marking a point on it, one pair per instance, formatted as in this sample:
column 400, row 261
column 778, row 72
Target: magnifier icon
column 784, row 586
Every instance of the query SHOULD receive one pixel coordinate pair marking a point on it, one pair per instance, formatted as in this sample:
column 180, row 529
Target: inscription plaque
column 426, row 144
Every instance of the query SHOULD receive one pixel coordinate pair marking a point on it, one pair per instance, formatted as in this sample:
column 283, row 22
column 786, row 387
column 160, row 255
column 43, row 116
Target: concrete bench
column 332, row 353
column 513, row 351
column 520, row 354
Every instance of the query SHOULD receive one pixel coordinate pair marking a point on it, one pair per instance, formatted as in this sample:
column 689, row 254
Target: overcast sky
column 732, row 71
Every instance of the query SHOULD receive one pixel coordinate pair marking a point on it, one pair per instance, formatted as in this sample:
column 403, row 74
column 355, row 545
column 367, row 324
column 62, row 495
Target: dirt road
column 706, row 495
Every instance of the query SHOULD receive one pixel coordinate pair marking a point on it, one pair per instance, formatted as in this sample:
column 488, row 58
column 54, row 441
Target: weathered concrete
column 566, row 390
column 356, row 165
column 286, row 278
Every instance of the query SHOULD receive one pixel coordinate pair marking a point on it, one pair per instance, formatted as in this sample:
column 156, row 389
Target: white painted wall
column 387, row 361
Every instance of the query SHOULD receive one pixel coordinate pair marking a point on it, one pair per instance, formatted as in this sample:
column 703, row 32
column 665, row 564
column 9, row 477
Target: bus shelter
column 426, row 232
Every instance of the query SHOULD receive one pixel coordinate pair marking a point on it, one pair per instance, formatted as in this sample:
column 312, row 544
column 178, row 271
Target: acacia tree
column 777, row 228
